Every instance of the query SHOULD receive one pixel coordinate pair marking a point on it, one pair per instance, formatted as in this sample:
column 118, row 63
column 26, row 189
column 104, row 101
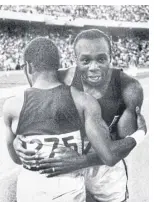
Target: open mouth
column 94, row 78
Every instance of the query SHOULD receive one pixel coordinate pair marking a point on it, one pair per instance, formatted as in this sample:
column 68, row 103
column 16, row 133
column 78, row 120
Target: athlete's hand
column 65, row 161
column 141, row 124
column 26, row 156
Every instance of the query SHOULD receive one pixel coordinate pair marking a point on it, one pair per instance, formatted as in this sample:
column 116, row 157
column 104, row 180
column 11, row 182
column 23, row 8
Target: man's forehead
column 88, row 46
column 98, row 53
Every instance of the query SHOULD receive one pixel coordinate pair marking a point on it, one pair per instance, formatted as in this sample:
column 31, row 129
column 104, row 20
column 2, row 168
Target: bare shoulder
column 128, row 81
column 13, row 105
column 132, row 90
column 85, row 104
column 83, row 98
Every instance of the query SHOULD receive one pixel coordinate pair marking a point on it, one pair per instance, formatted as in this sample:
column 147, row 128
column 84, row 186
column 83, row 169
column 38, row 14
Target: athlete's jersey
column 49, row 119
column 112, row 104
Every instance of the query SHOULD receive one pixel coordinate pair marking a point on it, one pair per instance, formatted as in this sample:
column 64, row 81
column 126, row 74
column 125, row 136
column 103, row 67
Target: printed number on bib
column 65, row 142
column 45, row 144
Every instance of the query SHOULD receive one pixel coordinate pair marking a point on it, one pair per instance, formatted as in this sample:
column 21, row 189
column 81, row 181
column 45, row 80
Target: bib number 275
column 65, row 142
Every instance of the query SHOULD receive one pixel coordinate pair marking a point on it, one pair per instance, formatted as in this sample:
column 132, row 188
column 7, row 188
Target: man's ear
column 29, row 68
column 28, row 73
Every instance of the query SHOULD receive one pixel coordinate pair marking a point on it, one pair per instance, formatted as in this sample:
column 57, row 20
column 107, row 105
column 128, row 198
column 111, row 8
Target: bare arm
column 10, row 136
column 115, row 149
column 110, row 152
column 92, row 159
column 132, row 94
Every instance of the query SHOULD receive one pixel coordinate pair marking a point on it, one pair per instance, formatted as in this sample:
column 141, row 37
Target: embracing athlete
column 118, row 96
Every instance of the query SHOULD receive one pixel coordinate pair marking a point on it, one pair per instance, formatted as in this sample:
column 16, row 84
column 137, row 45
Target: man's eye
column 101, row 59
column 85, row 61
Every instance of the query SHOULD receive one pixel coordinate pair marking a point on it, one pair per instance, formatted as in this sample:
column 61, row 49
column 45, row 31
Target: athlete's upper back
column 48, row 111
column 53, row 117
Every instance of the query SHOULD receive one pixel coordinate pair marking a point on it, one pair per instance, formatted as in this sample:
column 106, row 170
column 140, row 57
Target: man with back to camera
column 93, row 52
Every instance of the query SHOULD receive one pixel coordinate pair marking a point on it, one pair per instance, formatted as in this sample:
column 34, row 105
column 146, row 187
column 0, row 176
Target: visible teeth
column 95, row 78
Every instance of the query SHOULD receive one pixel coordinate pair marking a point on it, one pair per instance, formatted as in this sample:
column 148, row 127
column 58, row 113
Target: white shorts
column 35, row 187
column 107, row 184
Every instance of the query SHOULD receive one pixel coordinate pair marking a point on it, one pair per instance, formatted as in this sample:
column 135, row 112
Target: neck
column 46, row 80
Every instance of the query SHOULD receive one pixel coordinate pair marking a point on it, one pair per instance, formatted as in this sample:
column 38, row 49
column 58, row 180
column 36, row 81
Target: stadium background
column 127, row 27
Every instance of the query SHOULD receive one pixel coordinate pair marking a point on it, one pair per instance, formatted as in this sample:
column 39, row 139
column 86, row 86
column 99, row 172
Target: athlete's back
column 46, row 116
column 48, row 119
column 50, row 113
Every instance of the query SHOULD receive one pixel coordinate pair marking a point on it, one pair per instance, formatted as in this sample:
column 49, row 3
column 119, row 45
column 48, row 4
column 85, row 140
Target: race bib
column 45, row 144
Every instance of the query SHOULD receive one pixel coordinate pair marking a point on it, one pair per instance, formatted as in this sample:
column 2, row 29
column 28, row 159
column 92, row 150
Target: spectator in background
column 132, row 13
column 12, row 47
column 14, row 39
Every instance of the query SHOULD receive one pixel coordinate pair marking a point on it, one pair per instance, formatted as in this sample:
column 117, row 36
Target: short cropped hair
column 43, row 54
column 92, row 34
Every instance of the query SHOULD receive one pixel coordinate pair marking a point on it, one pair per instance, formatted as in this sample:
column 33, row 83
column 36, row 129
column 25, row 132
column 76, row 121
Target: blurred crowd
column 14, row 41
column 130, row 52
column 132, row 13
column 126, row 51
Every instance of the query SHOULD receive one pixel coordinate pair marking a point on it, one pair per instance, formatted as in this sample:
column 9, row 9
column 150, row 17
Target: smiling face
column 93, row 59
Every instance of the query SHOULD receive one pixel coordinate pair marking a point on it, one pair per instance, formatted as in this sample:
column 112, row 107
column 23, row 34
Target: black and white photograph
column 74, row 103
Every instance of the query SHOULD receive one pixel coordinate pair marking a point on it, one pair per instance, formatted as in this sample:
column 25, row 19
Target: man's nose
column 93, row 66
